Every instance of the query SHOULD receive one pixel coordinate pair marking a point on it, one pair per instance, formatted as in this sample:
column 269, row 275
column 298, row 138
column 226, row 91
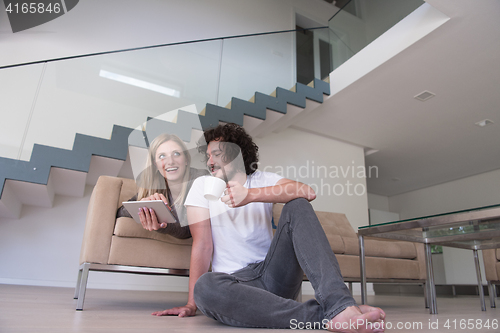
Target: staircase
column 52, row 170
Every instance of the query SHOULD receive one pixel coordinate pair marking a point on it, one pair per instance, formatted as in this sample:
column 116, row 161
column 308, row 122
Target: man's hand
column 236, row 195
column 148, row 217
column 182, row 311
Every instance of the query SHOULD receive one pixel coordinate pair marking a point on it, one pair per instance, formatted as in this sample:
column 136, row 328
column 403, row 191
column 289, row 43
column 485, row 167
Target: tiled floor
column 52, row 310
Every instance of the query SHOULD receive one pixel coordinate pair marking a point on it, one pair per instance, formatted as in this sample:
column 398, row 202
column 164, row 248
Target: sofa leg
column 82, row 285
column 299, row 295
column 78, row 281
column 350, row 287
column 493, row 293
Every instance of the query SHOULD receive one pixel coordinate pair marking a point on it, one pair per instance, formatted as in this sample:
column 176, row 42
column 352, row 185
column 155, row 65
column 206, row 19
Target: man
column 256, row 277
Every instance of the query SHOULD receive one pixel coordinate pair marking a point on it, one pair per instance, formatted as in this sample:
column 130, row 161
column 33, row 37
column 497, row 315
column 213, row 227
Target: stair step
column 10, row 206
column 103, row 166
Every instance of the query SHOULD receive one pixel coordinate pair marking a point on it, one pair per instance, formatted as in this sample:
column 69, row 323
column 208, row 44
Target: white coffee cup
column 214, row 187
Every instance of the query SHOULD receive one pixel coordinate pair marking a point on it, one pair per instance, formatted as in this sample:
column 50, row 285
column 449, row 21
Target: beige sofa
column 491, row 260
column 386, row 260
column 122, row 245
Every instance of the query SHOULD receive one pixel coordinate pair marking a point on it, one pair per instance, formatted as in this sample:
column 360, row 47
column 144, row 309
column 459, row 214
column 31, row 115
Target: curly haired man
column 256, row 277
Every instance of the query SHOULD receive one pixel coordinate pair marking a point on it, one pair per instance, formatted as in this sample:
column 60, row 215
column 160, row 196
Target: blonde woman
column 168, row 176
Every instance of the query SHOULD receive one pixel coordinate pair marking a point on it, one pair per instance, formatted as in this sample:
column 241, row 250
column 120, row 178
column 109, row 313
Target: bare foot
column 366, row 308
column 362, row 319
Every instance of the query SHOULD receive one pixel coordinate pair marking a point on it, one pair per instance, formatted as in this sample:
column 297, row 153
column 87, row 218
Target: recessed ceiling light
column 485, row 122
column 424, row 96
column 140, row 83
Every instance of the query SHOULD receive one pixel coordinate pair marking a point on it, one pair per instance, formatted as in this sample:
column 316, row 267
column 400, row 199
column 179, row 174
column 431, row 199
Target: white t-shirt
column 242, row 235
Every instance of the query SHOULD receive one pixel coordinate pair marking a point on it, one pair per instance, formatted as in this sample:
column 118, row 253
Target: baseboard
column 441, row 290
column 307, row 289
column 103, row 280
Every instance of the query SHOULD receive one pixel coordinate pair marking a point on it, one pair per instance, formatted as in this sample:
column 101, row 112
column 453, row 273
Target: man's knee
column 300, row 204
column 207, row 288
column 202, row 289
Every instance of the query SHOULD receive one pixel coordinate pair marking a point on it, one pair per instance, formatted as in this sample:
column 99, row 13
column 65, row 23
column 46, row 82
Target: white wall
column 379, row 202
column 304, row 157
column 476, row 191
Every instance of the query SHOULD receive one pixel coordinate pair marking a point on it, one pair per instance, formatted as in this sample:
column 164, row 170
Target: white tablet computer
column 163, row 214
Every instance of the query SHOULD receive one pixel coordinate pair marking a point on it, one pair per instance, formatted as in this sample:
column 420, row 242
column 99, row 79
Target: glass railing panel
column 360, row 22
column 18, row 92
column 313, row 54
column 89, row 95
column 340, row 50
column 256, row 63
column 323, row 64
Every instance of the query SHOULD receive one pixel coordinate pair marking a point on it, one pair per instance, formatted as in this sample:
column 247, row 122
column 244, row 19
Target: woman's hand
column 148, row 217
column 157, row 196
column 235, row 195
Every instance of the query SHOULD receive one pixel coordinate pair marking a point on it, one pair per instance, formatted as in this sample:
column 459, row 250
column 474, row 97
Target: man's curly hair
column 236, row 134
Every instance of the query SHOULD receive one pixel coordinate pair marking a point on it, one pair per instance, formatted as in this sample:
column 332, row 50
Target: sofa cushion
column 127, row 227
column 387, row 248
column 498, row 254
column 148, row 253
column 351, row 246
column 379, row 268
column 336, row 242
column 383, row 248
column 337, row 224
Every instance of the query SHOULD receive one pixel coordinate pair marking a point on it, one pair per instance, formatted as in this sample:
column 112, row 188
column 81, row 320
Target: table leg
column 362, row 268
column 430, row 280
column 426, row 292
column 479, row 280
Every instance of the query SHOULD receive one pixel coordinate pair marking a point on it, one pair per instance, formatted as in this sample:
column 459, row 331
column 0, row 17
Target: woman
column 168, row 176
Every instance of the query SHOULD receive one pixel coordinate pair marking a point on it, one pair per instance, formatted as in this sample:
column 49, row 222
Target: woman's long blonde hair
column 151, row 181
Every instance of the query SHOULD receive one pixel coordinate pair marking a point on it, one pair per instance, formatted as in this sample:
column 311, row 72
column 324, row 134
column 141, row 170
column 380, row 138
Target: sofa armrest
column 490, row 261
column 419, row 250
column 100, row 222
column 421, row 260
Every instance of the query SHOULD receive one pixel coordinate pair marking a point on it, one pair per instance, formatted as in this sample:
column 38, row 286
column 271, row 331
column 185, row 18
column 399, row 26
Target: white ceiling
column 426, row 143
